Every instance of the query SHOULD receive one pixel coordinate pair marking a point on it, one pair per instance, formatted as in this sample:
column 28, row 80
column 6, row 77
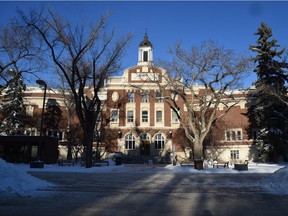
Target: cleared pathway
column 147, row 193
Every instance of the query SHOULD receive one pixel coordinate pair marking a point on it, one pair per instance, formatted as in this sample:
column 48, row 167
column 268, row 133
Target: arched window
column 159, row 141
column 130, row 142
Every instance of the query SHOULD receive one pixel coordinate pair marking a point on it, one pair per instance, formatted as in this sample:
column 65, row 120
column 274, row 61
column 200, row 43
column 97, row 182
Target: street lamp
column 42, row 83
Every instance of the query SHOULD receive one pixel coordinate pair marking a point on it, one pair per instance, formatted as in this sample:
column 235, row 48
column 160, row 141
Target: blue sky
column 230, row 23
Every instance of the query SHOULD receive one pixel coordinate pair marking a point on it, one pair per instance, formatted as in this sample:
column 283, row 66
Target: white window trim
column 174, row 121
column 62, row 138
column 133, row 139
column 147, row 116
column 146, row 94
column 162, row 140
column 128, row 118
column 156, row 119
column 117, row 120
column 159, row 99
column 237, row 138
column 128, row 99
column 236, row 152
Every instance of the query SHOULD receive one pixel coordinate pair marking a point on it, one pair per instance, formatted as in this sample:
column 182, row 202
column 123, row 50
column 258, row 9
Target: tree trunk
column 69, row 152
column 88, row 139
column 198, row 150
column 69, row 146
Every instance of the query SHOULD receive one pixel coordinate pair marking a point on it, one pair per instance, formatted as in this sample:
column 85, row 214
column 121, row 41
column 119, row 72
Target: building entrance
column 145, row 148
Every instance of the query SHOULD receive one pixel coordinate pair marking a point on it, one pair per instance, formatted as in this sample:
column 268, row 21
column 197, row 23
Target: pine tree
column 13, row 108
column 270, row 114
column 53, row 114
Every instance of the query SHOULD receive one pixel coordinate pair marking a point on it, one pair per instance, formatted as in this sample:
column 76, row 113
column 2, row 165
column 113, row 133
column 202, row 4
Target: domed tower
column 145, row 52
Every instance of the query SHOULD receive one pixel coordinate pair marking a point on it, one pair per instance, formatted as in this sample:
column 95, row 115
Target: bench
column 100, row 163
column 187, row 164
column 66, row 163
column 221, row 164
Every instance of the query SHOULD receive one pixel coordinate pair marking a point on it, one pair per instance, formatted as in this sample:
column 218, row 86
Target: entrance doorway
column 145, row 148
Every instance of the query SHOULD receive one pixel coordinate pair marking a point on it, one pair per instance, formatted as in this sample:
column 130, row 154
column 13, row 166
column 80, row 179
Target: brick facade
column 160, row 135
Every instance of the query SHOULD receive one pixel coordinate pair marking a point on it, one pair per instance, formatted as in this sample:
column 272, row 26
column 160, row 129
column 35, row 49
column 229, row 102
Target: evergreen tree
column 13, row 108
column 269, row 114
column 53, row 114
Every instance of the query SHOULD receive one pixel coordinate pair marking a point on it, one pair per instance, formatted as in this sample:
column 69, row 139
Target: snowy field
column 16, row 179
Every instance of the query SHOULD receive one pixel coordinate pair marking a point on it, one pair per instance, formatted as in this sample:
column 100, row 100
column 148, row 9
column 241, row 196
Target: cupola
column 145, row 52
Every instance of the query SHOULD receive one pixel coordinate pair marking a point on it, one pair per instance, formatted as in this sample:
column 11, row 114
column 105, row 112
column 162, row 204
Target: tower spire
column 145, row 51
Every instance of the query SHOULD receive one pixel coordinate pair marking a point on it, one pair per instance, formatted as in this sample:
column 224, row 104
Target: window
column 144, row 116
column 175, row 118
column 145, row 55
column 159, row 142
column 234, row 154
column 56, row 133
column 114, row 116
column 159, row 97
column 29, row 110
column 30, row 132
column 145, row 97
column 130, row 116
column 144, row 137
column 159, row 116
column 233, row 135
column 130, row 97
column 52, row 102
column 130, row 142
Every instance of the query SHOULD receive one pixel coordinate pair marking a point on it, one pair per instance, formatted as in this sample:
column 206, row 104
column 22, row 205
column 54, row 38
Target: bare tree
column 69, row 104
column 19, row 52
column 86, row 56
column 273, row 91
column 202, row 78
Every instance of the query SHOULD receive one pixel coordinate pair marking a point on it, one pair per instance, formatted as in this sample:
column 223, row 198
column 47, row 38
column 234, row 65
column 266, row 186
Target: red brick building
column 145, row 126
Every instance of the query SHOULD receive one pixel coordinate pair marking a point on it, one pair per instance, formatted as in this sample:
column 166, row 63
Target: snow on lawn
column 15, row 178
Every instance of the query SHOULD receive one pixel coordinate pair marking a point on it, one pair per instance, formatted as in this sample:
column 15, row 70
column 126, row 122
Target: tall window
column 130, row 142
column 145, row 55
column 29, row 110
column 130, row 116
column 233, row 135
column 158, row 116
column 234, row 154
column 145, row 97
column 130, row 97
column 144, row 116
column 175, row 118
column 114, row 115
column 159, row 142
column 159, row 97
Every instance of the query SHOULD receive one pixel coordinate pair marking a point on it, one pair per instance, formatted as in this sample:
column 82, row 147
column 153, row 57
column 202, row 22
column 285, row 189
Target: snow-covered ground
column 16, row 179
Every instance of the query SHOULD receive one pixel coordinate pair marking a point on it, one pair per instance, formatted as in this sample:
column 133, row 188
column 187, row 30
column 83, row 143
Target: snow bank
column 14, row 179
column 277, row 182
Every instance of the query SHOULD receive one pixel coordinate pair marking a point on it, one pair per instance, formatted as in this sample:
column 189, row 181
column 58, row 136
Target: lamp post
column 41, row 83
